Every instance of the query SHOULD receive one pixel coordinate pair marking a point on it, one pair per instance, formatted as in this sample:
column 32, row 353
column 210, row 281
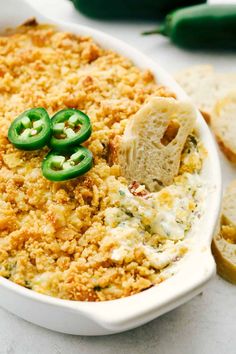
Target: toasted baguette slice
column 149, row 151
column 205, row 86
column 197, row 82
column 223, row 124
column 224, row 242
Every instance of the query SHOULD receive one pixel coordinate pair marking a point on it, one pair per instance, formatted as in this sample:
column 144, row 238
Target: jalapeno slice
column 31, row 130
column 70, row 127
column 61, row 166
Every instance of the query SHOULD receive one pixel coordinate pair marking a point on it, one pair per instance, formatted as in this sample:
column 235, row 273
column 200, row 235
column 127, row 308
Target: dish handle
column 133, row 311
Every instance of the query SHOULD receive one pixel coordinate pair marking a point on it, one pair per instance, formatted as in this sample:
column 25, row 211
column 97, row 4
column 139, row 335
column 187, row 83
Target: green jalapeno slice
column 31, row 130
column 70, row 127
column 212, row 27
column 61, row 166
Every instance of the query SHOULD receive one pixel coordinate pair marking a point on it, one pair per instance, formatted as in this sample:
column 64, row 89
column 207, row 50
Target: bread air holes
column 158, row 183
column 170, row 133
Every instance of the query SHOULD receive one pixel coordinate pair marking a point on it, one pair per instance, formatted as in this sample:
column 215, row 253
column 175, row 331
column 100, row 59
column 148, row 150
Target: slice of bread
column 224, row 242
column 223, row 124
column 197, row 81
column 150, row 149
column 229, row 205
column 205, row 86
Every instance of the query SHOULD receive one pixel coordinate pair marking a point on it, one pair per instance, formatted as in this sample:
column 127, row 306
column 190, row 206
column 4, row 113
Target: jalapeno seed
column 57, row 161
column 70, row 127
column 25, row 134
column 37, row 125
column 69, row 132
column 26, row 122
column 31, row 130
column 61, row 166
column 73, row 120
column 58, row 128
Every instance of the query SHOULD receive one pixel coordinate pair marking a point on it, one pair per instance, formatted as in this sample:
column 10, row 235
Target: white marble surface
column 204, row 325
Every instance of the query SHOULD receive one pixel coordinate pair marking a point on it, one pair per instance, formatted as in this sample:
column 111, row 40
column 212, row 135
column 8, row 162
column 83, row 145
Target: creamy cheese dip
column 156, row 224
column 92, row 238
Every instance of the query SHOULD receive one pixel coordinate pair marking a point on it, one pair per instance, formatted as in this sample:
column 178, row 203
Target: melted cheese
column 165, row 216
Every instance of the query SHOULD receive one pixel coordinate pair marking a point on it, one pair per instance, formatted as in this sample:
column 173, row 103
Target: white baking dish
column 123, row 314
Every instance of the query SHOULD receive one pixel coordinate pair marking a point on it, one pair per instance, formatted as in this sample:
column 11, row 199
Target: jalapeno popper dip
column 95, row 237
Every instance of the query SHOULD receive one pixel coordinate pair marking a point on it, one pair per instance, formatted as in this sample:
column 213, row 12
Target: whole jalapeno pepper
column 31, row 130
column 131, row 9
column 70, row 127
column 61, row 166
column 202, row 26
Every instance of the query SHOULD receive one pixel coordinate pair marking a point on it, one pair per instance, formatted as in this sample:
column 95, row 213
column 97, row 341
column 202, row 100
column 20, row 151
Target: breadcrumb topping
column 53, row 235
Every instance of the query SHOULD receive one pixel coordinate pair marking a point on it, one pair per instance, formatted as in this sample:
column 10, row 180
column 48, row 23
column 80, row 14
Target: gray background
column 204, row 325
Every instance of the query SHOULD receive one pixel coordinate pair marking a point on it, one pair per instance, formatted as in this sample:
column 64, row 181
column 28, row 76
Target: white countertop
column 204, row 325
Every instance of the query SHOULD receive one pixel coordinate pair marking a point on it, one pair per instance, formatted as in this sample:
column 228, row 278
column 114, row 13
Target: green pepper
column 31, row 130
column 128, row 9
column 70, row 127
column 61, row 166
column 202, row 26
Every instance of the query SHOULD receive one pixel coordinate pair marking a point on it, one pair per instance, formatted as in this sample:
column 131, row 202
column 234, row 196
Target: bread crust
column 223, row 125
column 226, row 150
column 113, row 150
column 225, row 267
column 206, row 116
column 224, row 241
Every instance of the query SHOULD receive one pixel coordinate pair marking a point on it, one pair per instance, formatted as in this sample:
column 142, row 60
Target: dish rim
column 115, row 314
